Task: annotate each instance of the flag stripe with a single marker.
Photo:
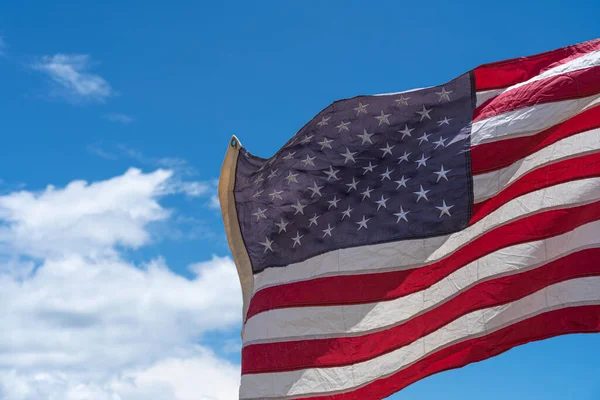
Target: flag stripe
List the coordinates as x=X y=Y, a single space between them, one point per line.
x=528 y=121
x=549 y=175
x=291 y=324
x=510 y=72
x=585 y=61
x=491 y=183
x=579 y=319
x=493 y=156
x=573 y=85
x=371 y=288
x=322 y=380
x=330 y=352
x=482 y=97
x=416 y=252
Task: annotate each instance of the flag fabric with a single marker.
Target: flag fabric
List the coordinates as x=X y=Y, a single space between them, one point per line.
x=399 y=235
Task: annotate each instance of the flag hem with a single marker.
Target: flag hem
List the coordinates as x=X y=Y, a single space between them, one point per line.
x=231 y=223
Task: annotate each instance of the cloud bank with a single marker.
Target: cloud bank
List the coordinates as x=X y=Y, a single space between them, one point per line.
x=81 y=321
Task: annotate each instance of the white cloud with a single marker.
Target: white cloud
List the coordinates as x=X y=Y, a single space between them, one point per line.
x=198 y=376
x=71 y=79
x=214 y=202
x=96 y=148
x=181 y=169
x=84 y=217
x=121 y=118
x=81 y=322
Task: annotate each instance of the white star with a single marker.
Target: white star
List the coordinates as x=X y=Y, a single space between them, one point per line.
x=291 y=178
x=347 y=212
x=306 y=139
x=424 y=113
x=273 y=174
x=315 y=190
x=267 y=243
x=402 y=182
x=323 y=122
x=328 y=230
x=348 y=156
x=444 y=94
x=424 y=138
x=422 y=194
x=444 y=209
x=299 y=207
x=363 y=223
x=282 y=225
x=343 y=126
x=257 y=193
x=362 y=108
x=332 y=173
x=297 y=239
x=291 y=143
x=308 y=161
x=404 y=157
x=260 y=214
x=366 y=137
x=352 y=185
x=381 y=203
x=366 y=193
x=258 y=179
x=383 y=118
x=401 y=215
x=444 y=121
x=422 y=161
x=289 y=156
x=325 y=143
x=333 y=203
x=386 y=174
x=387 y=150
x=406 y=131
x=402 y=101
x=276 y=194
x=442 y=174
x=440 y=142
x=369 y=168
x=313 y=220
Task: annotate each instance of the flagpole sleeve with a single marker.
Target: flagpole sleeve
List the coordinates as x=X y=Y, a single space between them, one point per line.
x=230 y=220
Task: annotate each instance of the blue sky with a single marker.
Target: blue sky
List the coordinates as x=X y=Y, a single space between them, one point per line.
x=110 y=254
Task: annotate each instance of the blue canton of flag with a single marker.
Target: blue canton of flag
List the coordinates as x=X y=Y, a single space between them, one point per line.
x=365 y=170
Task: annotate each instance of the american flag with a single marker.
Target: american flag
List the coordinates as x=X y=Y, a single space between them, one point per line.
x=399 y=235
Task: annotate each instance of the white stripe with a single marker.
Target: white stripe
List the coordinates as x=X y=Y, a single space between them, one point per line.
x=588 y=60
x=529 y=120
x=489 y=184
x=484 y=96
x=416 y=252
x=338 y=321
x=479 y=323
x=405 y=91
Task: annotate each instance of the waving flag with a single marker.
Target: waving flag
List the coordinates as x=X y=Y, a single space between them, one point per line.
x=396 y=236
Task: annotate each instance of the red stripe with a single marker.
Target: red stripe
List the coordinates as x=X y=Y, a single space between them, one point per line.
x=509 y=72
x=302 y=354
x=576 y=84
x=553 y=174
x=375 y=287
x=493 y=156
x=581 y=319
